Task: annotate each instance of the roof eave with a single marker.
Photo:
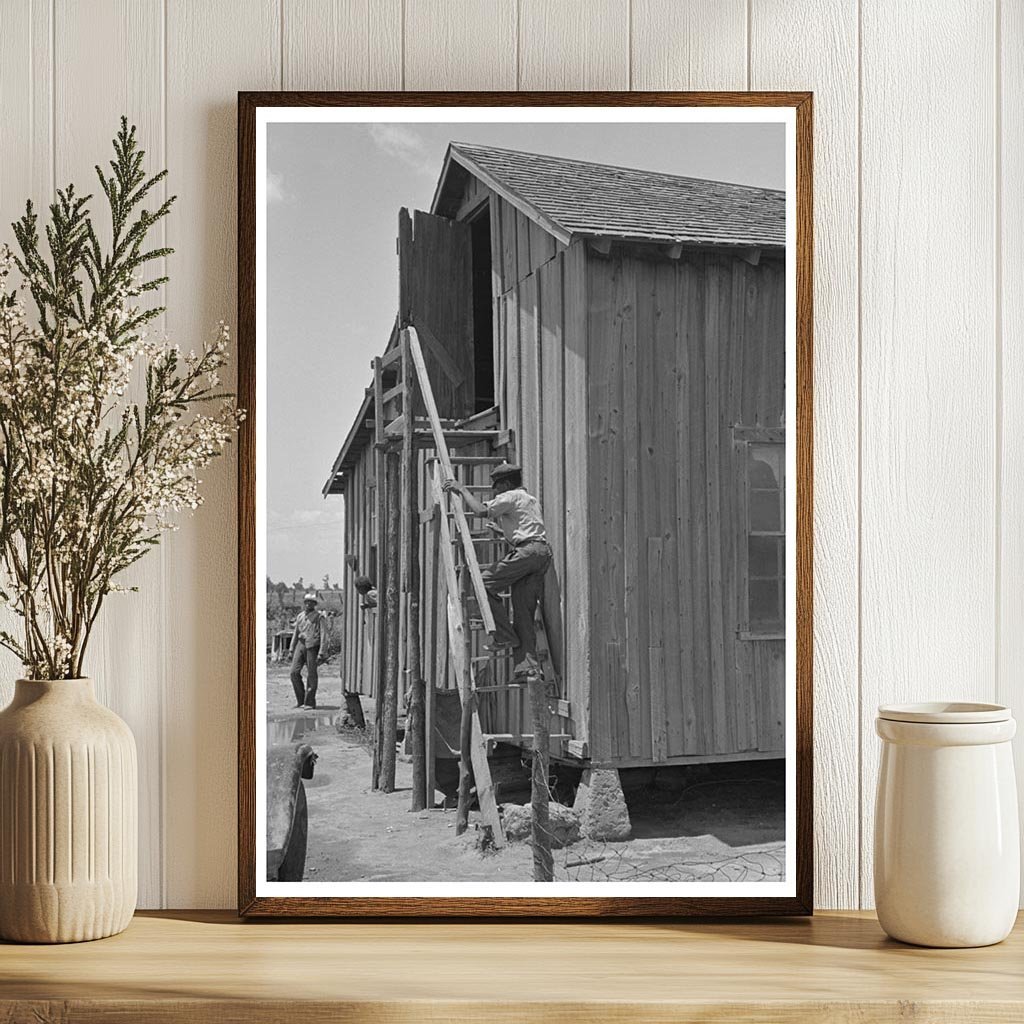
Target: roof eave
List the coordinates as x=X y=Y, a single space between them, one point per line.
x=442 y=178
x=695 y=243
x=350 y=440
x=552 y=227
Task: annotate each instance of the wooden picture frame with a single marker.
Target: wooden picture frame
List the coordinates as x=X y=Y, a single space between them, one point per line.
x=253 y=904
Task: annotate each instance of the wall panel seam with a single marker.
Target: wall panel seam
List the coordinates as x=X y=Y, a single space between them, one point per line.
x=859 y=583
x=162 y=708
x=53 y=97
x=997 y=323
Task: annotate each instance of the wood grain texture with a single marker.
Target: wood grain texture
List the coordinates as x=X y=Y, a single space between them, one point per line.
x=574 y=44
x=341 y=44
x=928 y=404
x=1009 y=257
x=466 y=45
x=130 y=675
x=780 y=55
x=207 y=967
x=226 y=46
x=26 y=123
x=929 y=129
x=620 y=287
x=699 y=44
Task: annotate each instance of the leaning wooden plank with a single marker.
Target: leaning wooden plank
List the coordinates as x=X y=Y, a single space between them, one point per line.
x=440 y=353
x=446 y=465
x=477 y=742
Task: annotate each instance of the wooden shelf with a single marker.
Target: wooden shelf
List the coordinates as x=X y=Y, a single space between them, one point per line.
x=211 y=967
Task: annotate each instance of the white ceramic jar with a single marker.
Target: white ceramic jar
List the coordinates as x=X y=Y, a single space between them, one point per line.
x=947 y=846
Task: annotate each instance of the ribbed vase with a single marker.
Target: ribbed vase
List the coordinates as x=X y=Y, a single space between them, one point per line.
x=68 y=815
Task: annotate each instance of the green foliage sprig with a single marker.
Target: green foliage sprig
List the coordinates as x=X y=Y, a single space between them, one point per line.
x=91 y=472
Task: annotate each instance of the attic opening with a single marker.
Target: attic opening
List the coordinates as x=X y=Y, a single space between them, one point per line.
x=483 y=326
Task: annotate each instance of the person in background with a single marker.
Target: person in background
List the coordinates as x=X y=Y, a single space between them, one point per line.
x=522 y=570
x=309 y=649
x=366 y=590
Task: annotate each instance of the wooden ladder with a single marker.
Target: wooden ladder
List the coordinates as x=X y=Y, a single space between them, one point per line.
x=463 y=577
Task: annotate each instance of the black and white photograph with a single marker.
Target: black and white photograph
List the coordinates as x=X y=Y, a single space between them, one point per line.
x=525 y=502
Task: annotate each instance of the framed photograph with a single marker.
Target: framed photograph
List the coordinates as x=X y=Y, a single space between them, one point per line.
x=525 y=504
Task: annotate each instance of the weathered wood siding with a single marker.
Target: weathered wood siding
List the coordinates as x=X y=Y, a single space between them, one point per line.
x=540 y=357
x=435 y=294
x=680 y=351
x=620 y=379
x=358 y=656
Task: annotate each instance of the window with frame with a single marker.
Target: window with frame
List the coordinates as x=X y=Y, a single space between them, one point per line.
x=764 y=550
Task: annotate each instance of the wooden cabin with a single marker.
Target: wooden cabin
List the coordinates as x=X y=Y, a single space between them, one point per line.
x=623 y=332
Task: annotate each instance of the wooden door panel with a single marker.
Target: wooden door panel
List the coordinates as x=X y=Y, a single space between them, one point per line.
x=436 y=297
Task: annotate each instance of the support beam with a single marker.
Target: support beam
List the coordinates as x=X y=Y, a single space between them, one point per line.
x=378 y=633
x=411 y=584
x=392 y=596
x=540 y=837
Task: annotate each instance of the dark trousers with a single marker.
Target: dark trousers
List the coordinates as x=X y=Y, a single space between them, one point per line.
x=522 y=570
x=303 y=655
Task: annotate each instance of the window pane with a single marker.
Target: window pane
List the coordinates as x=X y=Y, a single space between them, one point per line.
x=765 y=469
x=763 y=557
x=765 y=603
x=765 y=511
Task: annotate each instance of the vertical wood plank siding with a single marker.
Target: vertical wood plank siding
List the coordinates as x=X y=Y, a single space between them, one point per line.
x=893 y=368
x=622 y=379
x=678 y=350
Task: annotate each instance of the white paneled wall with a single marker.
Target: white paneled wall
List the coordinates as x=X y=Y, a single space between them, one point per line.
x=919 y=324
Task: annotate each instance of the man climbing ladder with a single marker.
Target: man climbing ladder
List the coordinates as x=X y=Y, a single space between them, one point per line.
x=518 y=514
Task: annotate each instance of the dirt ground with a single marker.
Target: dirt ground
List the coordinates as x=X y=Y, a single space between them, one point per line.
x=720 y=823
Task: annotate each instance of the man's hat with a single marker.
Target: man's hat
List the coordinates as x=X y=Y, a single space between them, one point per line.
x=311 y=597
x=505 y=470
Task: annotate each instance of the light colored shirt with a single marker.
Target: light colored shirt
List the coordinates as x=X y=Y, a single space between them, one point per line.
x=310 y=627
x=518 y=515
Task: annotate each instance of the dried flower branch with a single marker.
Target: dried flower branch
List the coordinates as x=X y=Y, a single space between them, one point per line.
x=89 y=477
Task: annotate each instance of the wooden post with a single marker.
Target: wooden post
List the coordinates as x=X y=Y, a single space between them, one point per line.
x=378 y=615
x=440 y=592
x=411 y=585
x=392 y=611
x=543 y=861
x=465 y=765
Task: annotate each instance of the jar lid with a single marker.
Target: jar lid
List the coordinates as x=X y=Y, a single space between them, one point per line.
x=945 y=713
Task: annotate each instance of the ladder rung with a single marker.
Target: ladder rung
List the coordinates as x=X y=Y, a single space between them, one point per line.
x=471 y=460
x=391 y=357
x=499 y=687
x=469 y=435
x=398 y=389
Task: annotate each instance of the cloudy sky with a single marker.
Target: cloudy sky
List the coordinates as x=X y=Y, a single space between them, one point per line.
x=334 y=192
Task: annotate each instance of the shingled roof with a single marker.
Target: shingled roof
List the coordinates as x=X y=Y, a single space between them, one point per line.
x=572 y=198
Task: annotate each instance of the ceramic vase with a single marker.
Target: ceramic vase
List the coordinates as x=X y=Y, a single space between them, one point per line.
x=68 y=815
x=947 y=847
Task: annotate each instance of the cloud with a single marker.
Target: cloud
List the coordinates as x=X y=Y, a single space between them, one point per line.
x=276 y=192
x=302 y=519
x=402 y=142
